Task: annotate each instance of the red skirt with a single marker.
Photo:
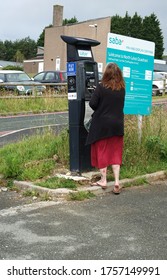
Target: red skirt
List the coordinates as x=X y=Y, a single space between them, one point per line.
x=107 y=152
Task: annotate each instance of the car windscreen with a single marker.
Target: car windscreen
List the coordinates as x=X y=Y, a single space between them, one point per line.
x=157 y=76
x=17 y=77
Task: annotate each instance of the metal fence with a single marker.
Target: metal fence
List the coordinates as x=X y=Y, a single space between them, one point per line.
x=61 y=88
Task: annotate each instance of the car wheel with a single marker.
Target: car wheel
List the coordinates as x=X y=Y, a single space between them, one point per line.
x=155 y=91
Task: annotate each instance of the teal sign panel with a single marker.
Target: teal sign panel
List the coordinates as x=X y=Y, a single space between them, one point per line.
x=135 y=57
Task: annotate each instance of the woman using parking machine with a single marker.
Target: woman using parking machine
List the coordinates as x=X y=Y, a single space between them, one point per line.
x=107 y=126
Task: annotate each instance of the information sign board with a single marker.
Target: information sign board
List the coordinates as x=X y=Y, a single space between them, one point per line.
x=135 y=57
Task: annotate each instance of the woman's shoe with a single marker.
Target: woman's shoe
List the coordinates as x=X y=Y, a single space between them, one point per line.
x=116 y=190
x=99 y=185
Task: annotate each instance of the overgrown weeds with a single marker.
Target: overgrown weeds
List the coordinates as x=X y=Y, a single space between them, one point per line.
x=55 y=183
x=34 y=157
x=148 y=154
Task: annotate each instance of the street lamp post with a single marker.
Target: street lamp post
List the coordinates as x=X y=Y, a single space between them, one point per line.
x=94 y=26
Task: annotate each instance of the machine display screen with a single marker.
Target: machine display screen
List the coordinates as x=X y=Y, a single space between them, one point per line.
x=89 y=67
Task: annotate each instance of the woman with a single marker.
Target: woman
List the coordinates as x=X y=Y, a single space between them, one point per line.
x=107 y=127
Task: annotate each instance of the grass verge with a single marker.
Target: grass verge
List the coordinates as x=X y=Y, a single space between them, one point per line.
x=55 y=183
x=38 y=157
x=33 y=104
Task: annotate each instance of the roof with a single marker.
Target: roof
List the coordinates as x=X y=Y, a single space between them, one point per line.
x=10 y=71
x=4 y=63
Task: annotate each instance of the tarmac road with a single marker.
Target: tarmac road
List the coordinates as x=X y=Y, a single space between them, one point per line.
x=132 y=225
x=13 y=123
x=13 y=128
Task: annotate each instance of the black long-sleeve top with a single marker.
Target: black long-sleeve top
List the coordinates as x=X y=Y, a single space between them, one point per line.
x=108 y=116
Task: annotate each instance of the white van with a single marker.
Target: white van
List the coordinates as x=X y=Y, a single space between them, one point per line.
x=157 y=84
x=164 y=75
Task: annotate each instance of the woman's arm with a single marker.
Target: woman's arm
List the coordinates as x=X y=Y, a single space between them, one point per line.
x=93 y=103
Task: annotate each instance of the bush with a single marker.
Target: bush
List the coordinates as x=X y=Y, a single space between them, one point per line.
x=12 y=67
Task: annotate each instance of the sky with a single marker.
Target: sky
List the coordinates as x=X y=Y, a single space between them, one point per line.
x=22 y=18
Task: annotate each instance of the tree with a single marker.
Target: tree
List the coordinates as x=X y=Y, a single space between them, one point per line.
x=146 y=29
x=18 y=57
x=136 y=26
x=70 y=21
x=27 y=47
x=2 y=51
x=116 y=24
x=126 y=21
x=10 y=50
x=152 y=32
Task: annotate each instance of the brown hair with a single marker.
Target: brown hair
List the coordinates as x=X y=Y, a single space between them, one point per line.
x=113 y=77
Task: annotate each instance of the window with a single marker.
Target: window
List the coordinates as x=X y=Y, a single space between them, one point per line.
x=39 y=77
x=49 y=76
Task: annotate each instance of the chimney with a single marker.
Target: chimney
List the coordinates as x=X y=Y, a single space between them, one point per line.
x=57 y=15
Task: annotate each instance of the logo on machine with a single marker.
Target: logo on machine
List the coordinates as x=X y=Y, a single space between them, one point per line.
x=84 y=53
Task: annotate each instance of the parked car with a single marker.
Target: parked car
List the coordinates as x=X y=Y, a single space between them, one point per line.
x=24 y=84
x=164 y=75
x=157 y=84
x=51 y=77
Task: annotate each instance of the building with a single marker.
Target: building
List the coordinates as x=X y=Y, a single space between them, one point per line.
x=36 y=64
x=55 y=57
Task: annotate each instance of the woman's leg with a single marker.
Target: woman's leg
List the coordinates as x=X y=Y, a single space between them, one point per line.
x=103 y=180
x=116 y=171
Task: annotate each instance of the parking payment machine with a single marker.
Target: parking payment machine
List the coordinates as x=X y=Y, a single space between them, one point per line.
x=82 y=78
